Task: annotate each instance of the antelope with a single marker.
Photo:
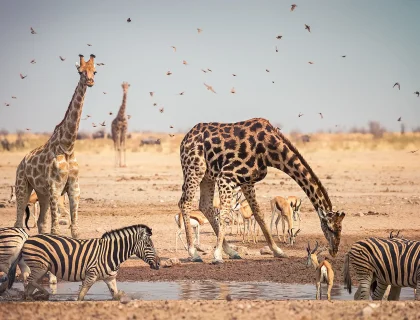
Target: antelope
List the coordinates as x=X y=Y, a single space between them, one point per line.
x=234 y=210
x=197 y=219
x=295 y=203
x=323 y=271
x=33 y=201
x=248 y=220
x=283 y=209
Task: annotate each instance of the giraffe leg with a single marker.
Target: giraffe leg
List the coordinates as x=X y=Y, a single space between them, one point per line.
x=206 y=207
x=249 y=192
x=54 y=195
x=73 y=192
x=117 y=139
x=122 y=149
x=192 y=177
x=23 y=192
x=43 y=209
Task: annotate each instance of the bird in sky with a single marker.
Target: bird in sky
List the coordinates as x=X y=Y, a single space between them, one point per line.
x=398 y=85
x=184 y=62
x=267 y=70
x=62 y=58
x=171 y=127
x=100 y=64
x=161 y=110
x=22 y=76
x=209 y=70
x=293 y=7
x=128 y=20
x=93 y=125
x=233 y=90
x=310 y=62
x=168 y=73
x=7 y=104
x=173 y=47
x=89 y=45
x=110 y=113
x=128 y=116
x=182 y=93
x=279 y=37
x=104 y=92
x=300 y=114
x=155 y=104
x=307 y=27
x=417 y=93
x=320 y=113
x=343 y=56
x=414 y=151
x=33 y=61
x=209 y=88
x=204 y=70
x=13 y=97
x=151 y=93
x=28 y=129
x=399 y=119
x=233 y=74
x=199 y=30
x=277 y=50
x=33 y=31
x=102 y=124
x=171 y=135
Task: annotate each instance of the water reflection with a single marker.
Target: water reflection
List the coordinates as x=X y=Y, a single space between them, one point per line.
x=204 y=290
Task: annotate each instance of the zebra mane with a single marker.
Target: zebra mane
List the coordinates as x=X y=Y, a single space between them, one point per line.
x=135 y=228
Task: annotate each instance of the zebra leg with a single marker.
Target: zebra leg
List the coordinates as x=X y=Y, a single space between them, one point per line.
x=365 y=279
x=52 y=279
x=86 y=284
x=417 y=290
x=394 y=293
x=112 y=286
x=379 y=291
x=33 y=283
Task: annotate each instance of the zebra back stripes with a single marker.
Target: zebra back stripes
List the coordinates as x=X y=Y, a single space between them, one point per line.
x=390 y=261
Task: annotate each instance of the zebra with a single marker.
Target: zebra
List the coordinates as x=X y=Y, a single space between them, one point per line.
x=86 y=260
x=380 y=262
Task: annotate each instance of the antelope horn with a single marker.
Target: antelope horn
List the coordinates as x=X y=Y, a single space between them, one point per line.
x=308 y=248
x=316 y=247
x=297 y=232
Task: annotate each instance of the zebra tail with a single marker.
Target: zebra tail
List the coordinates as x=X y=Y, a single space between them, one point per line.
x=11 y=275
x=28 y=214
x=346 y=272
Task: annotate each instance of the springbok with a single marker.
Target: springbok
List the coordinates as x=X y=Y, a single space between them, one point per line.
x=197 y=219
x=323 y=271
x=283 y=209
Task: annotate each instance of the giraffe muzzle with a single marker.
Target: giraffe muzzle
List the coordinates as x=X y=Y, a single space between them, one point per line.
x=90 y=82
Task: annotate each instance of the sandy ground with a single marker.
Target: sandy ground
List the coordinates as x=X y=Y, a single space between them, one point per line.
x=385 y=183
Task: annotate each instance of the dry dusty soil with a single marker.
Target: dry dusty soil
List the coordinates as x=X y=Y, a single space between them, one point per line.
x=378 y=190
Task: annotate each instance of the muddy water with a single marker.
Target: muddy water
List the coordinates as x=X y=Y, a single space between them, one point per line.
x=203 y=290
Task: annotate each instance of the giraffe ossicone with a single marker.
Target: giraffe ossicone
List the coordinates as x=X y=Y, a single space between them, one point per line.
x=238 y=154
x=52 y=169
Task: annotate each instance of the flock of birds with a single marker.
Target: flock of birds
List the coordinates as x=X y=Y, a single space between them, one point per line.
x=207 y=86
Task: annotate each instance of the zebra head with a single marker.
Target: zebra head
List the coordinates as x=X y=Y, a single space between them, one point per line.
x=145 y=249
x=331 y=226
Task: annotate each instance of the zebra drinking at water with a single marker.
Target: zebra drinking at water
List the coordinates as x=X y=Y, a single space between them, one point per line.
x=86 y=260
x=394 y=262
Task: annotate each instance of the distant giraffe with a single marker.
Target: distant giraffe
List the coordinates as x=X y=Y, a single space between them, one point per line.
x=232 y=154
x=52 y=169
x=119 y=129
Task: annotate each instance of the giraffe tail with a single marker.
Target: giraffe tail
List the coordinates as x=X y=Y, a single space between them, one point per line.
x=346 y=272
x=28 y=214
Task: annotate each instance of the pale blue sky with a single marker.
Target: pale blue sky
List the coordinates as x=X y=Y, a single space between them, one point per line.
x=380 y=38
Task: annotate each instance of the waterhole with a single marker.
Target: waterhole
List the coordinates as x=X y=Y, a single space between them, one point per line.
x=198 y=290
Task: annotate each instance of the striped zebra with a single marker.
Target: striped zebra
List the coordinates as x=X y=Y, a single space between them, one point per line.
x=87 y=260
x=379 y=262
x=11 y=243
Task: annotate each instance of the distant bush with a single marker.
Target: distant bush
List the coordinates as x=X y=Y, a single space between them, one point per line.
x=83 y=135
x=376 y=129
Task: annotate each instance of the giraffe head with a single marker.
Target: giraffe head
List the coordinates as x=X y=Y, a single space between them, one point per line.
x=125 y=86
x=331 y=226
x=86 y=70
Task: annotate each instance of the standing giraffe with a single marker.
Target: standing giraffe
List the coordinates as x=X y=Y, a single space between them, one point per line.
x=119 y=129
x=232 y=154
x=52 y=169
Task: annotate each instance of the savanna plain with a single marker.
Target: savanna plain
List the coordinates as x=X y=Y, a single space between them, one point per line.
x=375 y=181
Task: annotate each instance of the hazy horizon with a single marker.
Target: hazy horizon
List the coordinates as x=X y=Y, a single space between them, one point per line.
x=377 y=37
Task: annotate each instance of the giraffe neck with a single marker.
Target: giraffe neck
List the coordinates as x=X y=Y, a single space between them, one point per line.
x=283 y=155
x=121 y=112
x=65 y=132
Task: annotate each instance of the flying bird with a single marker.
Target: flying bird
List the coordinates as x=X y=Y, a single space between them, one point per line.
x=13 y=97
x=417 y=93
x=209 y=70
x=171 y=127
x=399 y=119
x=199 y=30
x=279 y=37
x=128 y=116
x=104 y=92
x=267 y=70
x=33 y=31
x=110 y=113
x=310 y=62
x=414 y=151
x=184 y=62
x=277 y=50
x=93 y=125
x=151 y=93
x=272 y=81
x=300 y=114
x=62 y=59
x=128 y=20
x=293 y=7
x=171 y=135
x=233 y=90
x=161 y=110
x=209 y=88
x=343 y=56
x=100 y=64
x=33 y=61
x=102 y=124
x=398 y=85
x=89 y=45
x=320 y=113
x=181 y=93
x=168 y=73
x=22 y=76
x=173 y=47
x=7 y=104
x=233 y=74
x=204 y=70
x=155 y=104
x=307 y=27
x=27 y=129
